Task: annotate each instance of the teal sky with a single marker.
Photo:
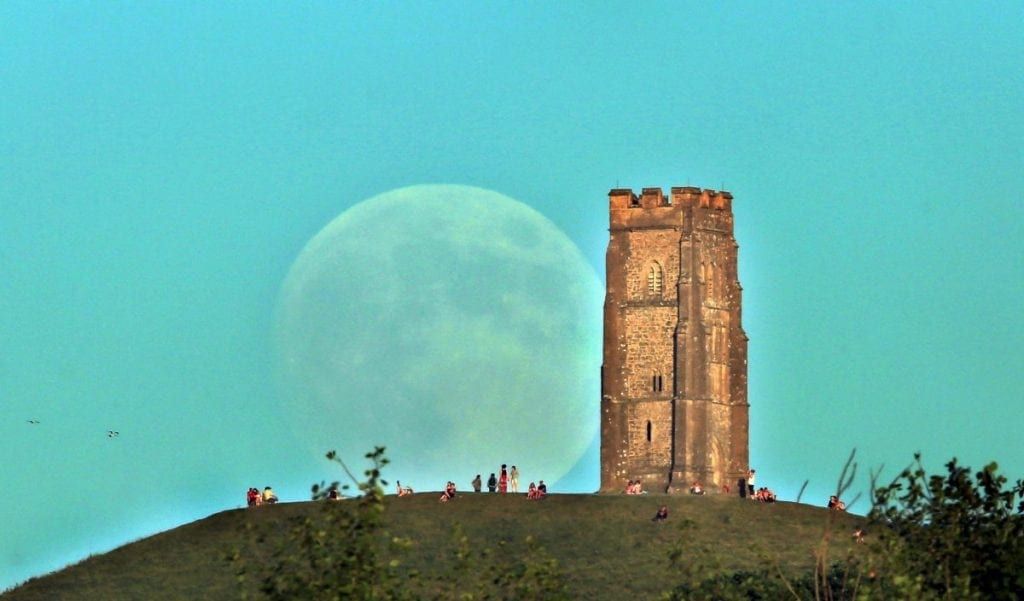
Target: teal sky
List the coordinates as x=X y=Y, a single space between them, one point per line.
x=163 y=164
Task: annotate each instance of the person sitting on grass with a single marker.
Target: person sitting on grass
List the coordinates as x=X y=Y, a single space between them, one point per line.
x=765 y=495
x=269 y=496
x=403 y=491
x=835 y=504
x=449 y=492
x=696 y=489
x=634 y=488
x=531 y=492
x=542 y=490
x=252 y=497
x=662 y=514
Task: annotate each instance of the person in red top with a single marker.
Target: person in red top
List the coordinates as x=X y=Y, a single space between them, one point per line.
x=531 y=493
x=449 y=492
x=503 y=480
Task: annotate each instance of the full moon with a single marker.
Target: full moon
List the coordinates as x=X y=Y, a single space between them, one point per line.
x=456 y=326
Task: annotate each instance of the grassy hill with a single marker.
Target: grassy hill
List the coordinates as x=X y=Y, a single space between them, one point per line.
x=606 y=546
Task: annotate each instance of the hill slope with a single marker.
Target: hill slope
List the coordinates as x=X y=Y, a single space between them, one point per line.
x=606 y=546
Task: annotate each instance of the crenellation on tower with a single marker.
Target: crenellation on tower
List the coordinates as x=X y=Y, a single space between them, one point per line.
x=674 y=384
x=622 y=198
x=652 y=197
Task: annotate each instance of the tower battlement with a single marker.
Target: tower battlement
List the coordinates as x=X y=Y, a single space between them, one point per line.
x=653 y=208
x=680 y=196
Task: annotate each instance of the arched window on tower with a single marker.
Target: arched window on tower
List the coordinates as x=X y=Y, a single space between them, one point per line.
x=654 y=280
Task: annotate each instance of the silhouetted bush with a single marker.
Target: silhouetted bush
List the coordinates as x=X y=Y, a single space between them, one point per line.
x=944 y=536
x=949 y=535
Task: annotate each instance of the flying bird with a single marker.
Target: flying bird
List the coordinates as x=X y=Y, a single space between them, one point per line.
x=112 y=434
x=33 y=421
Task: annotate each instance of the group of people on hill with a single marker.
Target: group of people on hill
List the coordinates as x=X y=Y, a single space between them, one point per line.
x=537 y=492
x=747 y=489
x=448 y=494
x=634 y=487
x=508 y=481
x=750 y=490
x=254 y=498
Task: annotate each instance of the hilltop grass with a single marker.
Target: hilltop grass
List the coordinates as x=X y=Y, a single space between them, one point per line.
x=606 y=546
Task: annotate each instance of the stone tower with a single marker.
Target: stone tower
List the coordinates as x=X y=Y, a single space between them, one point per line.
x=674 y=379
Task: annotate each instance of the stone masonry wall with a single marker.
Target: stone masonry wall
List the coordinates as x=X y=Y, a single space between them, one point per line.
x=654 y=454
x=647 y=248
x=649 y=350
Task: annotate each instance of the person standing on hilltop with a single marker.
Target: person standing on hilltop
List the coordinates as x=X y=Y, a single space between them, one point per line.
x=477 y=483
x=513 y=479
x=503 y=480
x=750 y=482
x=492 y=483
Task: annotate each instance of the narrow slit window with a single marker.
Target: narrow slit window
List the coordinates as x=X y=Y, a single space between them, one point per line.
x=648 y=431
